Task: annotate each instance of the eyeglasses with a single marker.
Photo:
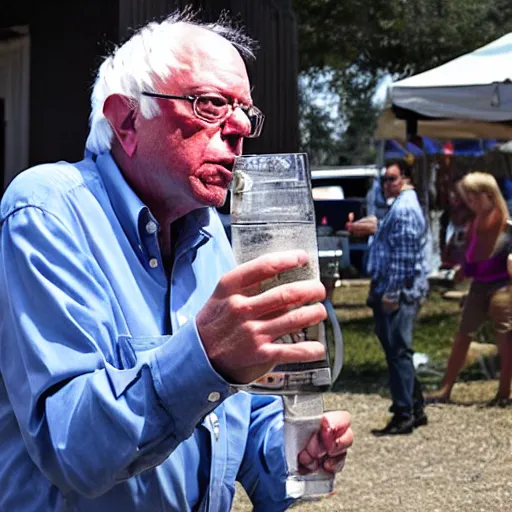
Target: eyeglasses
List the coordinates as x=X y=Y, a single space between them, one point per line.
x=391 y=179
x=214 y=108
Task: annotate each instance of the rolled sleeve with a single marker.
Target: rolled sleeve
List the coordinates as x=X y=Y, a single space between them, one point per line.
x=185 y=381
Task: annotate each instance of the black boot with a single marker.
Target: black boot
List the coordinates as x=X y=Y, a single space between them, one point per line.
x=420 y=418
x=398 y=425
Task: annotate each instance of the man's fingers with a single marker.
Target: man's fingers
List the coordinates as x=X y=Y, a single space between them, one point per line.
x=310 y=457
x=315 y=447
x=307 y=462
x=303 y=352
x=315 y=456
x=335 y=432
x=264 y=267
x=294 y=321
x=327 y=448
x=334 y=464
x=286 y=297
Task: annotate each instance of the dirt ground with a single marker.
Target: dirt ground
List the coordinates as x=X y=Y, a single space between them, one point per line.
x=460 y=462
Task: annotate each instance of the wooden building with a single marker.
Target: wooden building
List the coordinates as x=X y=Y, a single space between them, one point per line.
x=50 y=50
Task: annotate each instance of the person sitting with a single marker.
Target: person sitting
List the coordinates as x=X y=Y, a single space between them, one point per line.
x=488 y=245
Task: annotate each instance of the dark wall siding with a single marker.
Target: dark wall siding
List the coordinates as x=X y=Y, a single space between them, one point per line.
x=67 y=41
x=66 y=46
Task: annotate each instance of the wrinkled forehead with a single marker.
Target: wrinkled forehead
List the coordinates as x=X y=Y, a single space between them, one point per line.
x=207 y=60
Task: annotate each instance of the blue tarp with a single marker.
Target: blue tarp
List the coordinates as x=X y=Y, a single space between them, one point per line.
x=462 y=147
x=394 y=150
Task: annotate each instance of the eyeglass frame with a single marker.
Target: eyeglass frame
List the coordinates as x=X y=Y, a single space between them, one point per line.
x=259 y=116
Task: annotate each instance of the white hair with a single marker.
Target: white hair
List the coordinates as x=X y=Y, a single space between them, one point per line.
x=149 y=55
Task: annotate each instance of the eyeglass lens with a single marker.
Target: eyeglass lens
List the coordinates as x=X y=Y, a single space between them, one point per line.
x=213 y=108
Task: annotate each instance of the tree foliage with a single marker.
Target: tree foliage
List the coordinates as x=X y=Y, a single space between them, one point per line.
x=355 y=43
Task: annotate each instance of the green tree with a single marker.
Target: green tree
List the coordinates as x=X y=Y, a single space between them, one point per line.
x=353 y=44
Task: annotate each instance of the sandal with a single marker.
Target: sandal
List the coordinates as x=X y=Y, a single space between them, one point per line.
x=499 y=401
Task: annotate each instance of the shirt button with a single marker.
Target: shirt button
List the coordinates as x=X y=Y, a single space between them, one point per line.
x=214 y=396
x=153 y=263
x=151 y=227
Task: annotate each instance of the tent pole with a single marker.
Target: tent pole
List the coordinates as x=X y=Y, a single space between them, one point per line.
x=411 y=126
x=380 y=153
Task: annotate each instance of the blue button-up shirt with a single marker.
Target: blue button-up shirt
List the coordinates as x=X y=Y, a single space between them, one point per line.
x=107 y=398
x=397 y=260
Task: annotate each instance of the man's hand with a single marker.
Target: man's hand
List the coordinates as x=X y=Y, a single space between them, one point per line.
x=238 y=324
x=389 y=305
x=327 y=449
x=361 y=227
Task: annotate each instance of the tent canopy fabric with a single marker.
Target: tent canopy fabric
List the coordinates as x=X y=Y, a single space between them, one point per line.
x=390 y=127
x=468 y=97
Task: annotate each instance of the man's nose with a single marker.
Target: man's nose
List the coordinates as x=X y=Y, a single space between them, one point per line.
x=237 y=124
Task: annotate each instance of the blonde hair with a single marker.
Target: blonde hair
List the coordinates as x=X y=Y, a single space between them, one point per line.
x=483 y=183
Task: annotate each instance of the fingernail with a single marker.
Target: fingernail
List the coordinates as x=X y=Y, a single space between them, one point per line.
x=334 y=468
x=312 y=466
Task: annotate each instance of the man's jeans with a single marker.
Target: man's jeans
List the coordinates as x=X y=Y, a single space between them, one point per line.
x=394 y=331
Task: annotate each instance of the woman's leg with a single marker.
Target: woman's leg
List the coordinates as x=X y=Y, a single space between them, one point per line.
x=456 y=361
x=474 y=314
x=505 y=351
x=501 y=315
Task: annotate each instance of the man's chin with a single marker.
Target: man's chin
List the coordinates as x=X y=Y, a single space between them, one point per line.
x=214 y=196
x=221 y=201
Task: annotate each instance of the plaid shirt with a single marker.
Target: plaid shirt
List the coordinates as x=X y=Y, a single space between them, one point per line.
x=397 y=262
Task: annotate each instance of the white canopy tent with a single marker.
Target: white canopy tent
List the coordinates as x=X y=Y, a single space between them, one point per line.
x=468 y=97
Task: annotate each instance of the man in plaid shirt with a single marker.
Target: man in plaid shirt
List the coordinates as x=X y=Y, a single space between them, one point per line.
x=397 y=267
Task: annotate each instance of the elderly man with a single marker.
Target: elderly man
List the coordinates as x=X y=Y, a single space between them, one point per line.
x=398 y=273
x=125 y=326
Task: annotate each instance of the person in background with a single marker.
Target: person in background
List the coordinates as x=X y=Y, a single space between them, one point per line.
x=398 y=274
x=452 y=254
x=126 y=332
x=488 y=245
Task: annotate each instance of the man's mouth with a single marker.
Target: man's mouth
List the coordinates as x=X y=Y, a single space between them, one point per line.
x=228 y=165
x=223 y=172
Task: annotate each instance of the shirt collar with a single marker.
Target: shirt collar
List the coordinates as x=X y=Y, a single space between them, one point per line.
x=126 y=204
x=133 y=214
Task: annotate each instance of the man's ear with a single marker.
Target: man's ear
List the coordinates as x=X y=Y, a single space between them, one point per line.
x=121 y=114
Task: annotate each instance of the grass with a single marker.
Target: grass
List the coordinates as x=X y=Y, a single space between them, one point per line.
x=365 y=369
